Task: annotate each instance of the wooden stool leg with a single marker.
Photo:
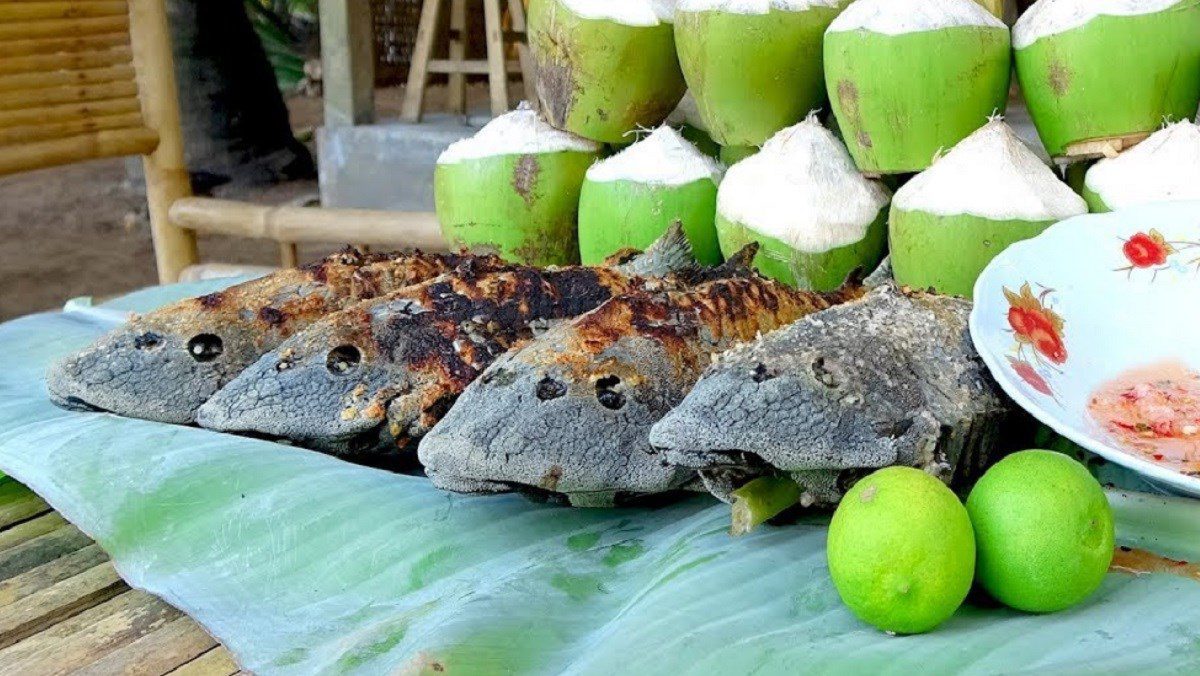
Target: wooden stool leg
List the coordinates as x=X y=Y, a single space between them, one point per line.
x=497 y=64
x=458 y=52
x=418 y=72
x=517 y=10
x=289 y=256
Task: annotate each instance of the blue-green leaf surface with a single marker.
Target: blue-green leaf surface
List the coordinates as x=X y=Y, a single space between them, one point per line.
x=301 y=563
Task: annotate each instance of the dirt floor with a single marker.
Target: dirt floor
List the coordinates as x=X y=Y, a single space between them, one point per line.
x=82 y=229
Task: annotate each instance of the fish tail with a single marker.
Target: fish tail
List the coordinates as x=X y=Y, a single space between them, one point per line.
x=670 y=253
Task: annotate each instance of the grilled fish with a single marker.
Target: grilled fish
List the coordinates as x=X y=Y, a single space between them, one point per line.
x=372 y=379
x=570 y=414
x=892 y=379
x=163 y=365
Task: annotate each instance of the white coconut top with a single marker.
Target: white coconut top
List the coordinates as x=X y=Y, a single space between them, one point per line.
x=1051 y=17
x=520 y=132
x=628 y=12
x=753 y=6
x=662 y=158
x=687 y=112
x=896 y=17
x=1162 y=168
x=991 y=174
x=803 y=189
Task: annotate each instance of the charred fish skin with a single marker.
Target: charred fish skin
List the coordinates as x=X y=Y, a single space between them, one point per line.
x=163 y=365
x=571 y=412
x=891 y=379
x=406 y=356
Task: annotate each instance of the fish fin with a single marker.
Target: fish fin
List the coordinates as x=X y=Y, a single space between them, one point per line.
x=670 y=253
x=740 y=264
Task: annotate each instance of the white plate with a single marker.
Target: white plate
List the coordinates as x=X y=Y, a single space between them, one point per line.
x=1122 y=300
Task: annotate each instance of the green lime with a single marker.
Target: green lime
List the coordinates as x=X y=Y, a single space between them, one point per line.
x=1044 y=531
x=901 y=551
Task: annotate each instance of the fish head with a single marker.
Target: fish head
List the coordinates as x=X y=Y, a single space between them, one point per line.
x=327 y=387
x=857 y=387
x=161 y=366
x=568 y=414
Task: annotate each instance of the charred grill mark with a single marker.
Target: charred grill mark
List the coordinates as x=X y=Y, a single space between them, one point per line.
x=211 y=301
x=272 y=316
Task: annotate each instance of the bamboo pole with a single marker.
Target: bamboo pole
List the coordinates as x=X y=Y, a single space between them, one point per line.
x=63 y=44
x=472 y=67
x=34 y=98
x=41 y=63
x=43 y=132
x=110 y=143
x=30 y=30
x=289 y=255
x=418 y=70
x=516 y=9
x=67 y=112
x=497 y=70
x=60 y=9
x=167 y=179
x=418 y=230
x=457 y=83
x=23 y=81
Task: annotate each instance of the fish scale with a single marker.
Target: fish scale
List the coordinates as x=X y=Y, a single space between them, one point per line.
x=404 y=357
x=570 y=413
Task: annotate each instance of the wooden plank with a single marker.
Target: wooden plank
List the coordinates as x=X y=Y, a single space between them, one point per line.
x=58 y=602
x=28 y=530
x=30 y=30
x=167 y=178
x=457 y=84
x=45 y=96
x=67 y=112
x=469 y=67
x=516 y=10
x=41 y=549
x=44 y=63
x=165 y=649
x=50 y=573
x=418 y=71
x=22 y=81
x=347 y=62
x=497 y=71
x=60 y=9
x=300 y=224
x=59 y=45
x=18 y=503
x=59 y=135
x=88 y=636
x=216 y=662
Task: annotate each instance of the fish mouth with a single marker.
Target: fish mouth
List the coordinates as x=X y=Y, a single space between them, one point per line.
x=73 y=403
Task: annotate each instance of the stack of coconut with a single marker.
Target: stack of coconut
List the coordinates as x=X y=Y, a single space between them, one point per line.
x=914 y=90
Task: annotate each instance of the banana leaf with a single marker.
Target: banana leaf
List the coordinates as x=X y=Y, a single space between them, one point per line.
x=301 y=563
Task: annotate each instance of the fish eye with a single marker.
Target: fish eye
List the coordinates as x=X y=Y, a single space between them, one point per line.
x=147 y=341
x=549 y=388
x=343 y=359
x=205 y=347
x=607 y=394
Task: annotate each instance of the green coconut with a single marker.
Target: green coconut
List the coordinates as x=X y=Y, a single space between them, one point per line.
x=513 y=189
x=1163 y=168
x=988 y=192
x=605 y=67
x=907 y=78
x=1097 y=69
x=801 y=198
x=629 y=199
x=754 y=66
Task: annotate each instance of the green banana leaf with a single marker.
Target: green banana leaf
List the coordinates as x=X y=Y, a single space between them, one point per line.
x=302 y=564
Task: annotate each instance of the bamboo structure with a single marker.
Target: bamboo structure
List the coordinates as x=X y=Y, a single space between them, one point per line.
x=88 y=79
x=167 y=178
x=418 y=230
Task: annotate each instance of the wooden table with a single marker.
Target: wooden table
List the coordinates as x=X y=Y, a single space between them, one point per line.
x=63 y=608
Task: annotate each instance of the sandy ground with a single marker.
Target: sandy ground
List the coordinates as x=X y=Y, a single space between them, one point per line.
x=81 y=230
